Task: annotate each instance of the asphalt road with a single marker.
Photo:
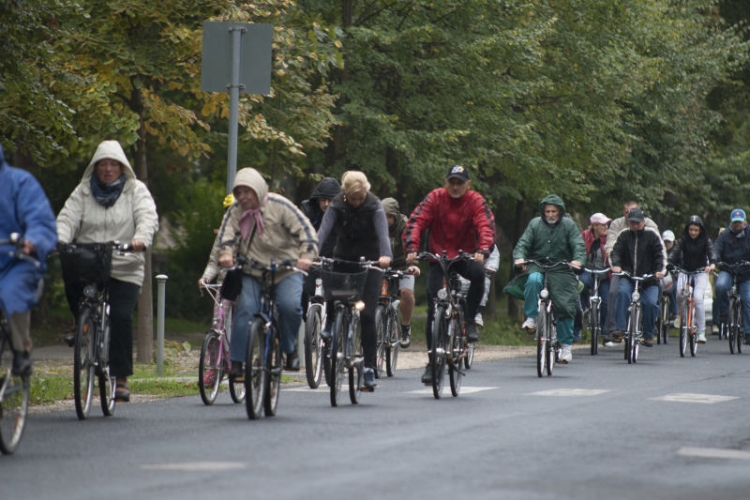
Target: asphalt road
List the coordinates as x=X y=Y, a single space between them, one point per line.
x=598 y=428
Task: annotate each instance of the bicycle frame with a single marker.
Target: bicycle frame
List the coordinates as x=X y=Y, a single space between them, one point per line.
x=634 y=334
x=595 y=301
x=686 y=299
x=733 y=327
x=387 y=321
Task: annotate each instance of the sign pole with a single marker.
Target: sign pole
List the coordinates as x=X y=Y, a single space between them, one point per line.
x=234 y=104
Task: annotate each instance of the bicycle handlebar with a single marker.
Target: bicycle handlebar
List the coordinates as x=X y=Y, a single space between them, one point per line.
x=18 y=242
x=369 y=264
x=547 y=265
x=444 y=258
x=672 y=267
x=732 y=268
x=597 y=271
x=642 y=277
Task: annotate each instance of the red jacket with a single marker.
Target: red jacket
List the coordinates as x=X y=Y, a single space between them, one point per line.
x=464 y=224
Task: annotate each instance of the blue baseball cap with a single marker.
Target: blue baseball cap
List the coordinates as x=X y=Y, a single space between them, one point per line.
x=738 y=215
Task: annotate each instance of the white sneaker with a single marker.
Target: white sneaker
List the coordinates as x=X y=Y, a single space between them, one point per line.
x=478 y=319
x=529 y=324
x=565 y=355
x=701 y=338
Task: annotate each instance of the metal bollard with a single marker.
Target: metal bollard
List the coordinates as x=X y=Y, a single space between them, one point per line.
x=161 y=280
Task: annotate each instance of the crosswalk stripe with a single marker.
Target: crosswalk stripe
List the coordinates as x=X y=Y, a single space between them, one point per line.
x=688 y=397
x=688 y=451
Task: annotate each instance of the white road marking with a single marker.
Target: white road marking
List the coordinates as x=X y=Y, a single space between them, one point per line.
x=446 y=390
x=196 y=466
x=570 y=392
x=713 y=453
x=688 y=397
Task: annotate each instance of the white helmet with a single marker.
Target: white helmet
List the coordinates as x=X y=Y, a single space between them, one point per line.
x=667 y=235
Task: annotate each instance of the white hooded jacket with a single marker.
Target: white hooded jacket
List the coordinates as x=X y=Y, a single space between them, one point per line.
x=133 y=216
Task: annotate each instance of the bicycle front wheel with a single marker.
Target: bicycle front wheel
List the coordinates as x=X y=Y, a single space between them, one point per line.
x=83 y=363
x=255 y=369
x=541 y=343
x=550 y=345
x=14 y=402
x=274 y=367
x=454 y=369
x=733 y=327
x=393 y=344
x=313 y=346
x=738 y=322
x=437 y=353
x=594 y=327
x=381 y=338
x=684 y=327
x=663 y=320
x=209 y=370
x=338 y=362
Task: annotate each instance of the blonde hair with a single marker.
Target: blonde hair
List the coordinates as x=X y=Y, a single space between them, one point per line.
x=354 y=181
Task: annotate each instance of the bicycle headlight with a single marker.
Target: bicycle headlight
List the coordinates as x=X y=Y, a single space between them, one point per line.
x=90 y=291
x=636 y=296
x=359 y=305
x=442 y=294
x=544 y=293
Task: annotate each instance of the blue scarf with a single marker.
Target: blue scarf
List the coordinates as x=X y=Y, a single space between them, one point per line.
x=107 y=194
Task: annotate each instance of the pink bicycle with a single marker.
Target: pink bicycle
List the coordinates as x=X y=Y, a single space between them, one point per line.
x=215 y=362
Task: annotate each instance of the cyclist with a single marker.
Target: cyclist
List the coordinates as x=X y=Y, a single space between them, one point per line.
x=316 y=205
x=733 y=246
x=396 y=228
x=24 y=209
x=668 y=239
x=457 y=218
x=552 y=237
x=265 y=226
x=595 y=238
x=111 y=204
x=213 y=269
x=357 y=218
x=693 y=251
x=638 y=250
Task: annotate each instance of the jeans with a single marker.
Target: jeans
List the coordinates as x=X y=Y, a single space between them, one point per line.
x=721 y=287
x=288 y=303
x=531 y=291
x=649 y=300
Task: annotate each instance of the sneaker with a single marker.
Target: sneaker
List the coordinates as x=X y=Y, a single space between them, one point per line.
x=369 y=382
x=292 y=362
x=608 y=342
x=648 y=341
x=529 y=325
x=122 y=391
x=237 y=374
x=405 y=336
x=427 y=375
x=617 y=336
x=472 y=334
x=21 y=363
x=326 y=333
x=565 y=355
x=701 y=338
x=478 y=319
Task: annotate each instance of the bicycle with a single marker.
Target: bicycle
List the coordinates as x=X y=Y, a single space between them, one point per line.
x=547 y=348
x=14 y=389
x=316 y=348
x=263 y=362
x=344 y=290
x=634 y=332
x=449 y=345
x=663 y=323
x=731 y=328
x=90 y=264
x=387 y=323
x=595 y=304
x=688 y=331
x=215 y=362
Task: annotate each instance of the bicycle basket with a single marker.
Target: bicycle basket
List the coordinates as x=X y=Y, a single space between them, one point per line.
x=343 y=286
x=86 y=262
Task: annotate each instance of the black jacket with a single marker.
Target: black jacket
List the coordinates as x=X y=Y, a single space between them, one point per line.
x=639 y=252
x=693 y=254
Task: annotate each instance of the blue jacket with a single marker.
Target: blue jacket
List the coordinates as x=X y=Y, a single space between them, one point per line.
x=24 y=209
x=730 y=249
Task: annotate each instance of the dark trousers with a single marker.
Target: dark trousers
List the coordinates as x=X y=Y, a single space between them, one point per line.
x=472 y=271
x=123 y=297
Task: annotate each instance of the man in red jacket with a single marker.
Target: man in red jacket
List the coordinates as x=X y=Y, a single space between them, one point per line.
x=458 y=220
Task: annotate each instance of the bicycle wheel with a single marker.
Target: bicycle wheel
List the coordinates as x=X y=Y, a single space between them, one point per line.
x=255 y=369
x=107 y=385
x=541 y=347
x=354 y=354
x=313 y=346
x=437 y=353
x=454 y=368
x=274 y=367
x=684 y=327
x=83 y=365
x=14 y=401
x=663 y=320
x=594 y=327
x=469 y=358
x=733 y=330
x=550 y=345
x=738 y=325
x=393 y=344
x=209 y=370
x=338 y=364
x=633 y=343
x=381 y=338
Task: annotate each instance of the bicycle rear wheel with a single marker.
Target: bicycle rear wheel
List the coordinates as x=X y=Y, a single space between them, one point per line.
x=738 y=322
x=354 y=354
x=663 y=320
x=255 y=370
x=274 y=366
x=107 y=385
x=313 y=346
x=14 y=401
x=381 y=338
x=209 y=369
x=83 y=363
x=391 y=353
x=437 y=353
x=594 y=327
x=338 y=363
x=457 y=347
x=733 y=330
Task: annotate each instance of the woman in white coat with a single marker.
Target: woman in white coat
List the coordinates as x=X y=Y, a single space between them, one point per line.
x=111 y=204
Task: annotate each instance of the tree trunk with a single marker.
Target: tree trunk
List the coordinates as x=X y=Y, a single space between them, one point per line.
x=145 y=332
x=518 y=228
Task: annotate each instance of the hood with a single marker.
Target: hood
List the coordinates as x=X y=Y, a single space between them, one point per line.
x=695 y=220
x=552 y=199
x=326 y=189
x=390 y=205
x=251 y=178
x=113 y=151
